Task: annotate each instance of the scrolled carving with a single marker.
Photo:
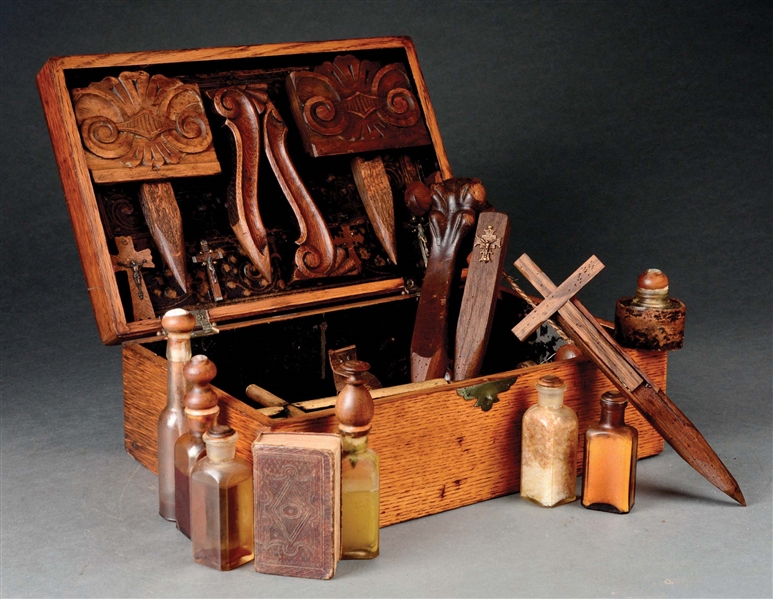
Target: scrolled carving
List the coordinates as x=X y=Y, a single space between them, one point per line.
x=142 y=121
x=350 y=105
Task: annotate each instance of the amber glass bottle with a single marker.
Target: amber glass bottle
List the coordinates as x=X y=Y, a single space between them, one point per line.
x=201 y=410
x=178 y=325
x=221 y=504
x=359 y=467
x=549 y=447
x=610 y=459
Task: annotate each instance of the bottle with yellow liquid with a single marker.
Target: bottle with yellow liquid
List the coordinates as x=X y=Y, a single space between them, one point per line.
x=359 y=467
x=609 y=483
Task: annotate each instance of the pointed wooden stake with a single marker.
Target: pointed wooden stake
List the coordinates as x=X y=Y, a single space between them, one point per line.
x=373 y=184
x=664 y=416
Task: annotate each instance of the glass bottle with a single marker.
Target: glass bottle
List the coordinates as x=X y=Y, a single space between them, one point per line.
x=610 y=459
x=549 y=447
x=201 y=410
x=221 y=504
x=171 y=423
x=359 y=467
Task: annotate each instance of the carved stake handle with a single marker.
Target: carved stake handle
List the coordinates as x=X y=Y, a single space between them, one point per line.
x=455 y=204
x=138 y=128
x=242 y=108
x=480 y=294
x=625 y=374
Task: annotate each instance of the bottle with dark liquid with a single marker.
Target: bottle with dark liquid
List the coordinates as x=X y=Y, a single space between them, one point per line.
x=609 y=484
x=221 y=504
x=178 y=325
x=201 y=410
x=359 y=467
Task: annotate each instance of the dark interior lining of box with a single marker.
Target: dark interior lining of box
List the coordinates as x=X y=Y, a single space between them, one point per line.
x=202 y=200
x=288 y=357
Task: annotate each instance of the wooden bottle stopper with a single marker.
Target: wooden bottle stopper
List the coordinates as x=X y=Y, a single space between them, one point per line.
x=650 y=320
x=354 y=406
x=568 y=351
x=201 y=399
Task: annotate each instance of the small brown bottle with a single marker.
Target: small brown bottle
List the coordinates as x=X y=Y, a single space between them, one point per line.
x=359 y=467
x=610 y=459
x=201 y=410
x=171 y=422
x=221 y=504
x=549 y=447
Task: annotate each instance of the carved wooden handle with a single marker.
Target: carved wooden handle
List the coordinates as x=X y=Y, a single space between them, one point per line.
x=454 y=208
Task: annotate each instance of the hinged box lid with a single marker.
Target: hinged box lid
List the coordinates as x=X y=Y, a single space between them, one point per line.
x=178 y=199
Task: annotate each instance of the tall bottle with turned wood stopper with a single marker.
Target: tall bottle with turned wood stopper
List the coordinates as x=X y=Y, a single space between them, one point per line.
x=201 y=410
x=549 y=447
x=359 y=467
x=172 y=423
x=222 y=509
x=609 y=484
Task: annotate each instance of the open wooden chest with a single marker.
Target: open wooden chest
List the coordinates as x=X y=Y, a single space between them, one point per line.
x=273 y=325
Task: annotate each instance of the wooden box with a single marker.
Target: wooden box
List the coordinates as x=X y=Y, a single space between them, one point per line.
x=438 y=451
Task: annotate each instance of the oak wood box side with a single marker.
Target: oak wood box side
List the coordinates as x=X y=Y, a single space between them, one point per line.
x=470 y=456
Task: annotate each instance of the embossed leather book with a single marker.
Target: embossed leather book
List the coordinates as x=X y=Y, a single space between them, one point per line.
x=297 y=504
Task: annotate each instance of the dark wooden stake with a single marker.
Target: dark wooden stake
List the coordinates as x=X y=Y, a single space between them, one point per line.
x=480 y=294
x=624 y=373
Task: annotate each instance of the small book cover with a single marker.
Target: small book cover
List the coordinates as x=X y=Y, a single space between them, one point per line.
x=297 y=478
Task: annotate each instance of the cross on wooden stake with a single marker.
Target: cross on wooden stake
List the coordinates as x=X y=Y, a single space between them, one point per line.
x=132 y=261
x=208 y=257
x=625 y=374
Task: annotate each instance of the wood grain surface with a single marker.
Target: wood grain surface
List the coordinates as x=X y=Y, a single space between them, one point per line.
x=470 y=455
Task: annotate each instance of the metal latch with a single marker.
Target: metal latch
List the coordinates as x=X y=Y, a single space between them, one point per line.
x=204 y=326
x=485 y=394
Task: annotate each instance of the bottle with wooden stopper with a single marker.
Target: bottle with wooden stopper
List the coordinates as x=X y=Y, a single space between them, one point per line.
x=221 y=504
x=650 y=320
x=549 y=447
x=201 y=410
x=359 y=467
x=178 y=325
x=609 y=484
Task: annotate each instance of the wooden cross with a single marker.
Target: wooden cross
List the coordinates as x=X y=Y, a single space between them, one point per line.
x=132 y=261
x=664 y=416
x=208 y=257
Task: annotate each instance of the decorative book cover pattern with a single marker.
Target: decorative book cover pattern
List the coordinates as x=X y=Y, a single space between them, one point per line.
x=294 y=511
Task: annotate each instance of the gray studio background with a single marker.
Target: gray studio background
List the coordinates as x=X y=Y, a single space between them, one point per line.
x=638 y=131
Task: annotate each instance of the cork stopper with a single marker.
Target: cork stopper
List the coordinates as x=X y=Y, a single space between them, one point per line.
x=614 y=398
x=220 y=433
x=568 y=352
x=652 y=289
x=199 y=372
x=354 y=406
x=178 y=321
x=550 y=381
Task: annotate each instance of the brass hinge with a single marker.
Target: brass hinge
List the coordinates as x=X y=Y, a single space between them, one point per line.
x=204 y=326
x=485 y=394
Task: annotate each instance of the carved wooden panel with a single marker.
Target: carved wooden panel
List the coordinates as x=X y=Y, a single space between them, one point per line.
x=137 y=127
x=349 y=105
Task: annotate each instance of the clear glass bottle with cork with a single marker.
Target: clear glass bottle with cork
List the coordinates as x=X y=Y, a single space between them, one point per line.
x=609 y=484
x=222 y=504
x=201 y=410
x=359 y=467
x=172 y=423
x=549 y=447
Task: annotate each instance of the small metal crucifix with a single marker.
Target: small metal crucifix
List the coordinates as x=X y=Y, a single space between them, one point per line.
x=208 y=257
x=132 y=261
x=487 y=243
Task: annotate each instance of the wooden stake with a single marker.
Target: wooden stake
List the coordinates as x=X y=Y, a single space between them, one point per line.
x=480 y=294
x=373 y=184
x=644 y=394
